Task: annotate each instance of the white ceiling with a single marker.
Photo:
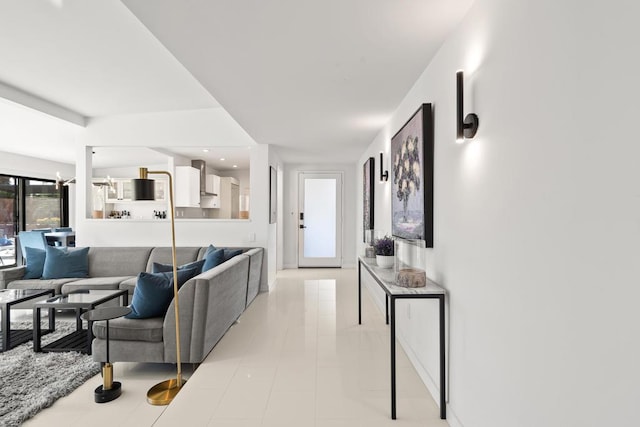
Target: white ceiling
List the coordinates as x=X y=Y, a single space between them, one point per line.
x=318 y=79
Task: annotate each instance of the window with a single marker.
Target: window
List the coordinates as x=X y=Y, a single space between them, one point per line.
x=41 y=204
x=8 y=222
x=27 y=204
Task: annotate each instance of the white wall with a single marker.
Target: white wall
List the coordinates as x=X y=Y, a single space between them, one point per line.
x=275 y=230
x=290 y=211
x=31 y=167
x=537 y=219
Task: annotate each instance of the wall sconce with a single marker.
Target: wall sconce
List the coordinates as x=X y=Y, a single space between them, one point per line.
x=384 y=175
x=467 y=126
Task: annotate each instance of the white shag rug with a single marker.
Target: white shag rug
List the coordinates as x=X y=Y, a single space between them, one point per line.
x=32 y=381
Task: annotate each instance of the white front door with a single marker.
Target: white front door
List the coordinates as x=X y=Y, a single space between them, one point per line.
x=320 y=219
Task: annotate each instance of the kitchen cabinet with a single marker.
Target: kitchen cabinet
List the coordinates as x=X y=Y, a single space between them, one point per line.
x=212 y=186
x=229 y=198
x=120 y=190
x=187 y=187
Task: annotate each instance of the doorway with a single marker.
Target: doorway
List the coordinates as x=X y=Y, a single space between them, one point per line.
x=320 y=219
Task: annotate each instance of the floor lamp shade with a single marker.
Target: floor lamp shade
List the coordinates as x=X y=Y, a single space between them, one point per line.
x=143 y=189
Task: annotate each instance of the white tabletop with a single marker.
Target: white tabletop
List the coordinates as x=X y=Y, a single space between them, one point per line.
x=386 y=278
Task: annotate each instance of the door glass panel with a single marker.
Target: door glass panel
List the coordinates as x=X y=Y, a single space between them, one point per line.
x=8 y=220
x=320 y=218
x=42 y=205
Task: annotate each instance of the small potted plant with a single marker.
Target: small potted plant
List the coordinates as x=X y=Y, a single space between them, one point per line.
x=384 y=252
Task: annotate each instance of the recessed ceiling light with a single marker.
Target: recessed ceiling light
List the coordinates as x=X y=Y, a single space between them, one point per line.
x=235 y=166
x=222 y=159
x=206 y=150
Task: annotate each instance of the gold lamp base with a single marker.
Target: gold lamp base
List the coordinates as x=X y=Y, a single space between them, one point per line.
x=164 y=392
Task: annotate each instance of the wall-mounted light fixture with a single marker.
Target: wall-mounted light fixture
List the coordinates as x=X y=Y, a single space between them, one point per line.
x=384 y=174
x=466 y=127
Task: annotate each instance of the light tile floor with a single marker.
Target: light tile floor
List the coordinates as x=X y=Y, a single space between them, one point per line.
x=297 y=357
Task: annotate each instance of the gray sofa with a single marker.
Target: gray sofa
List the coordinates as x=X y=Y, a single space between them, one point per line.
x=209 y=302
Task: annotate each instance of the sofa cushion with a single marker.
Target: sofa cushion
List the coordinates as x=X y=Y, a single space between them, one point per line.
x=61 y=263
x=213 y=258
x=158 y=267
x=117 y=261
x=154 y=291
x=129 y=285
x=35 y=262
x=149 y=330
x=94 y=283
x=55 y=284
x=184 y=255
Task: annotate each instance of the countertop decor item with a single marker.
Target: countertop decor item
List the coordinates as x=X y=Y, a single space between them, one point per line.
x=409 y=263
x=144 y=189
x=411 y=278
x=384 y=252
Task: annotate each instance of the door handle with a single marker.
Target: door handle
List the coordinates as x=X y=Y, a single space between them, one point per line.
x=303 y=226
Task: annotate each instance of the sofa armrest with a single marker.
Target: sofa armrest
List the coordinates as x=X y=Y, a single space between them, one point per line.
x=8 y=275
x=255 y=273
x=209 y=304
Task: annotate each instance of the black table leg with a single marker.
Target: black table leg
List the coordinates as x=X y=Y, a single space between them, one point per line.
x=52 y=319
x=359 y=292
x=36 y=329
x=386 y=309
x=78 y=319
x=6 y=326
x=393 y=357
x=443 y=382
x=90 y=335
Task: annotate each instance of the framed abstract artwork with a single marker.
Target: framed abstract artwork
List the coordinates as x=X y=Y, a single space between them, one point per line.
x=368 y=196
x=273 y=195
x=412 y=184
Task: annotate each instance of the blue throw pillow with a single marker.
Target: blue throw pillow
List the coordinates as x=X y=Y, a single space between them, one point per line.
x=230 y=253
x=157 y=267
x=61 y=263
x=212 y=258
x=35 y=262
x=153 y=293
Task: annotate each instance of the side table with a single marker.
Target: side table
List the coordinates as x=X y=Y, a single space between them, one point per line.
x=109 y=390
x=385 y=278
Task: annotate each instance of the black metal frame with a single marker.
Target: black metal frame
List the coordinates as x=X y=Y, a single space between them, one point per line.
x=390 y=320
x=425 y=115
x=273 y=195
x=79 y=340
x=14 y=337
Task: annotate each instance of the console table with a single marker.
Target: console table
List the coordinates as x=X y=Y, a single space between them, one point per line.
x=385 y=277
